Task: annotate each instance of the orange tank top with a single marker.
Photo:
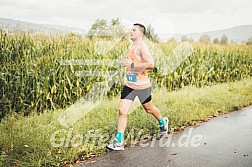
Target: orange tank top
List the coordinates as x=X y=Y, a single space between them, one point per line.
x=136 y=80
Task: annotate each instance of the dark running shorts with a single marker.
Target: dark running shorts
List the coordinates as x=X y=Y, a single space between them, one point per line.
x=130 y=94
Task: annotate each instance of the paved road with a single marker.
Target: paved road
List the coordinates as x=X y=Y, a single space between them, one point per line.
x=223 y=141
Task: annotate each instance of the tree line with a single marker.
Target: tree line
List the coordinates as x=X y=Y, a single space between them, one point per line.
x=109 y=29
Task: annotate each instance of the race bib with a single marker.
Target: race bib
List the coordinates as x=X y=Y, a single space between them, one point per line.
x=131 y=77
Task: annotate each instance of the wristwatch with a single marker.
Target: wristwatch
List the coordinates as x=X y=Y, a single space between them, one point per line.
x=132 y=65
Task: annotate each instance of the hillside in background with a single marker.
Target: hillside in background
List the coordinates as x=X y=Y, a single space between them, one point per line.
x=236 y=34
x=16 y=26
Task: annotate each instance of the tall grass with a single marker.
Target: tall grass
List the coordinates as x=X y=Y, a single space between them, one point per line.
x=32 y=79
x=26 y=140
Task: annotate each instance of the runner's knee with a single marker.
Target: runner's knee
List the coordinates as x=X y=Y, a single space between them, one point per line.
x=149 y=110
x=123 y=112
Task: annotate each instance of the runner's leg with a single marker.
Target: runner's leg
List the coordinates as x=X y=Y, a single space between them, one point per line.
x=163 y=121
x=151 y=109
x=124 y=107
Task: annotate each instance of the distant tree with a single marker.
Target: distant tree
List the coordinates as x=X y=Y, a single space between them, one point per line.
x=191 y=40
x=115 y=21
x=172 y=40
x=184 y=38
x=103 y=28
x=216 y=41
x=244 y=42
x=232 y=42
x=224 y=40
x=98 y=28
x=205 y=39
x=150 y=34
x=118 y=28
x=249 y=41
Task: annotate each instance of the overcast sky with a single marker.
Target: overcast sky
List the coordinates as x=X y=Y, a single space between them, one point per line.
x=166 y=16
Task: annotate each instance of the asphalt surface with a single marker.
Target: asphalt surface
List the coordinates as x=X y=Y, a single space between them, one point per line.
x=223 y=141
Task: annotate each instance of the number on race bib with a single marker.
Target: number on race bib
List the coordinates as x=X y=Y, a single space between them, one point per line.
x=131 y=77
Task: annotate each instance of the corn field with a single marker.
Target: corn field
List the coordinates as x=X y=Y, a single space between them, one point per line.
x=33 y=79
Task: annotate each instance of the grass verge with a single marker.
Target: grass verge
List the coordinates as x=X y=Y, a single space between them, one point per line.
x=27 y=141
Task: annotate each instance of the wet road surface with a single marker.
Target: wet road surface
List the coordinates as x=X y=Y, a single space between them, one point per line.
x=223 y=141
